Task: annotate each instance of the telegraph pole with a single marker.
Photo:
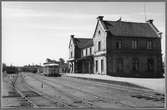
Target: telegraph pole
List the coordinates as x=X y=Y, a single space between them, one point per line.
x=145 y=16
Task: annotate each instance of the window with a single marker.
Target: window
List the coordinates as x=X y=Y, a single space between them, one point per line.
x=71 y=54
x=99 y=32
x=119 y=63
x=70 y=45
x=134 y=44
x=72 y=67
x=86 y=52
x=81 y=52
x=135 y=64
x=149 y=44
x=96 y=65
x=99 y=46
x=102 y=65
x=150 y=65
x=118 y=44
x=90 y=50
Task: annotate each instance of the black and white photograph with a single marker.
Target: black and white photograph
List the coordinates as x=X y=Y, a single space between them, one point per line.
x=75 y=55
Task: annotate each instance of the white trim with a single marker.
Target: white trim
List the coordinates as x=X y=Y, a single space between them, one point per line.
x=51 y=64
x=102 y=26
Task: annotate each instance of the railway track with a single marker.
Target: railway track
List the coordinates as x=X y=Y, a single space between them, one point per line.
x=96 y=96
x=28 y=102
x=76 y=102
x=28 y=99
x=33 y=102
x=148 y=93
x=55 y=99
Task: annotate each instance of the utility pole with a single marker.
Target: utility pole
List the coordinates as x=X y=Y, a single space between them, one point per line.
x=145 y=16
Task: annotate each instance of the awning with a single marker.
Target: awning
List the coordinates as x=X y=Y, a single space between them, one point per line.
x=52 y=64
x=71 y=60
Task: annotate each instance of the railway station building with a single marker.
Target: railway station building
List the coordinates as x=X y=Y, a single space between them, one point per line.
x=118 y=48
x=81 y=55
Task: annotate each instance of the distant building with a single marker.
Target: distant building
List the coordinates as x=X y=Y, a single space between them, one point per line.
x=118 y=48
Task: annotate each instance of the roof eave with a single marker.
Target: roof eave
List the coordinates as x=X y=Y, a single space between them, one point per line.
x=147 y=37
x=155 y=29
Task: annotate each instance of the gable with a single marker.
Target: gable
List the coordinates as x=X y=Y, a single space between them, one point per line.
x=71 y=43
x=100 y=27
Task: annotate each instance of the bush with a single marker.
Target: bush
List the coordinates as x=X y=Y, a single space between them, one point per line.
x=54 y=75
x=11 y=70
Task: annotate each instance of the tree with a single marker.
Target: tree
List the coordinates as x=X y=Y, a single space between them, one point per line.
x=61 y=60
x=3 y=67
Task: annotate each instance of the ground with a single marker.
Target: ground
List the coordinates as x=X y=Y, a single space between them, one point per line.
x=69 y=92
x=157 y=84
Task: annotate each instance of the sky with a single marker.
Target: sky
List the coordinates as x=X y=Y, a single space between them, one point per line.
x=34 y=31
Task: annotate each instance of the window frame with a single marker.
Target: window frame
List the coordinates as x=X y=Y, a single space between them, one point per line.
x=150 y=64
x=90 y=51
x=96 y=65
x=135 y=64
x=119 y=65
x=119 y=44
x=99 y=45
x=86 y=53
x=102 y=65
x=71 y=53
x=99 y=32
x=149 y=44
x=134 y=44
x=82 y=53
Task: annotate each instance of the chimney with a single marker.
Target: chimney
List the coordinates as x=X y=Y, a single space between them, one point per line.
x=119 y=19
x=72 y=36
x=150 y=21
x=100 y=18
